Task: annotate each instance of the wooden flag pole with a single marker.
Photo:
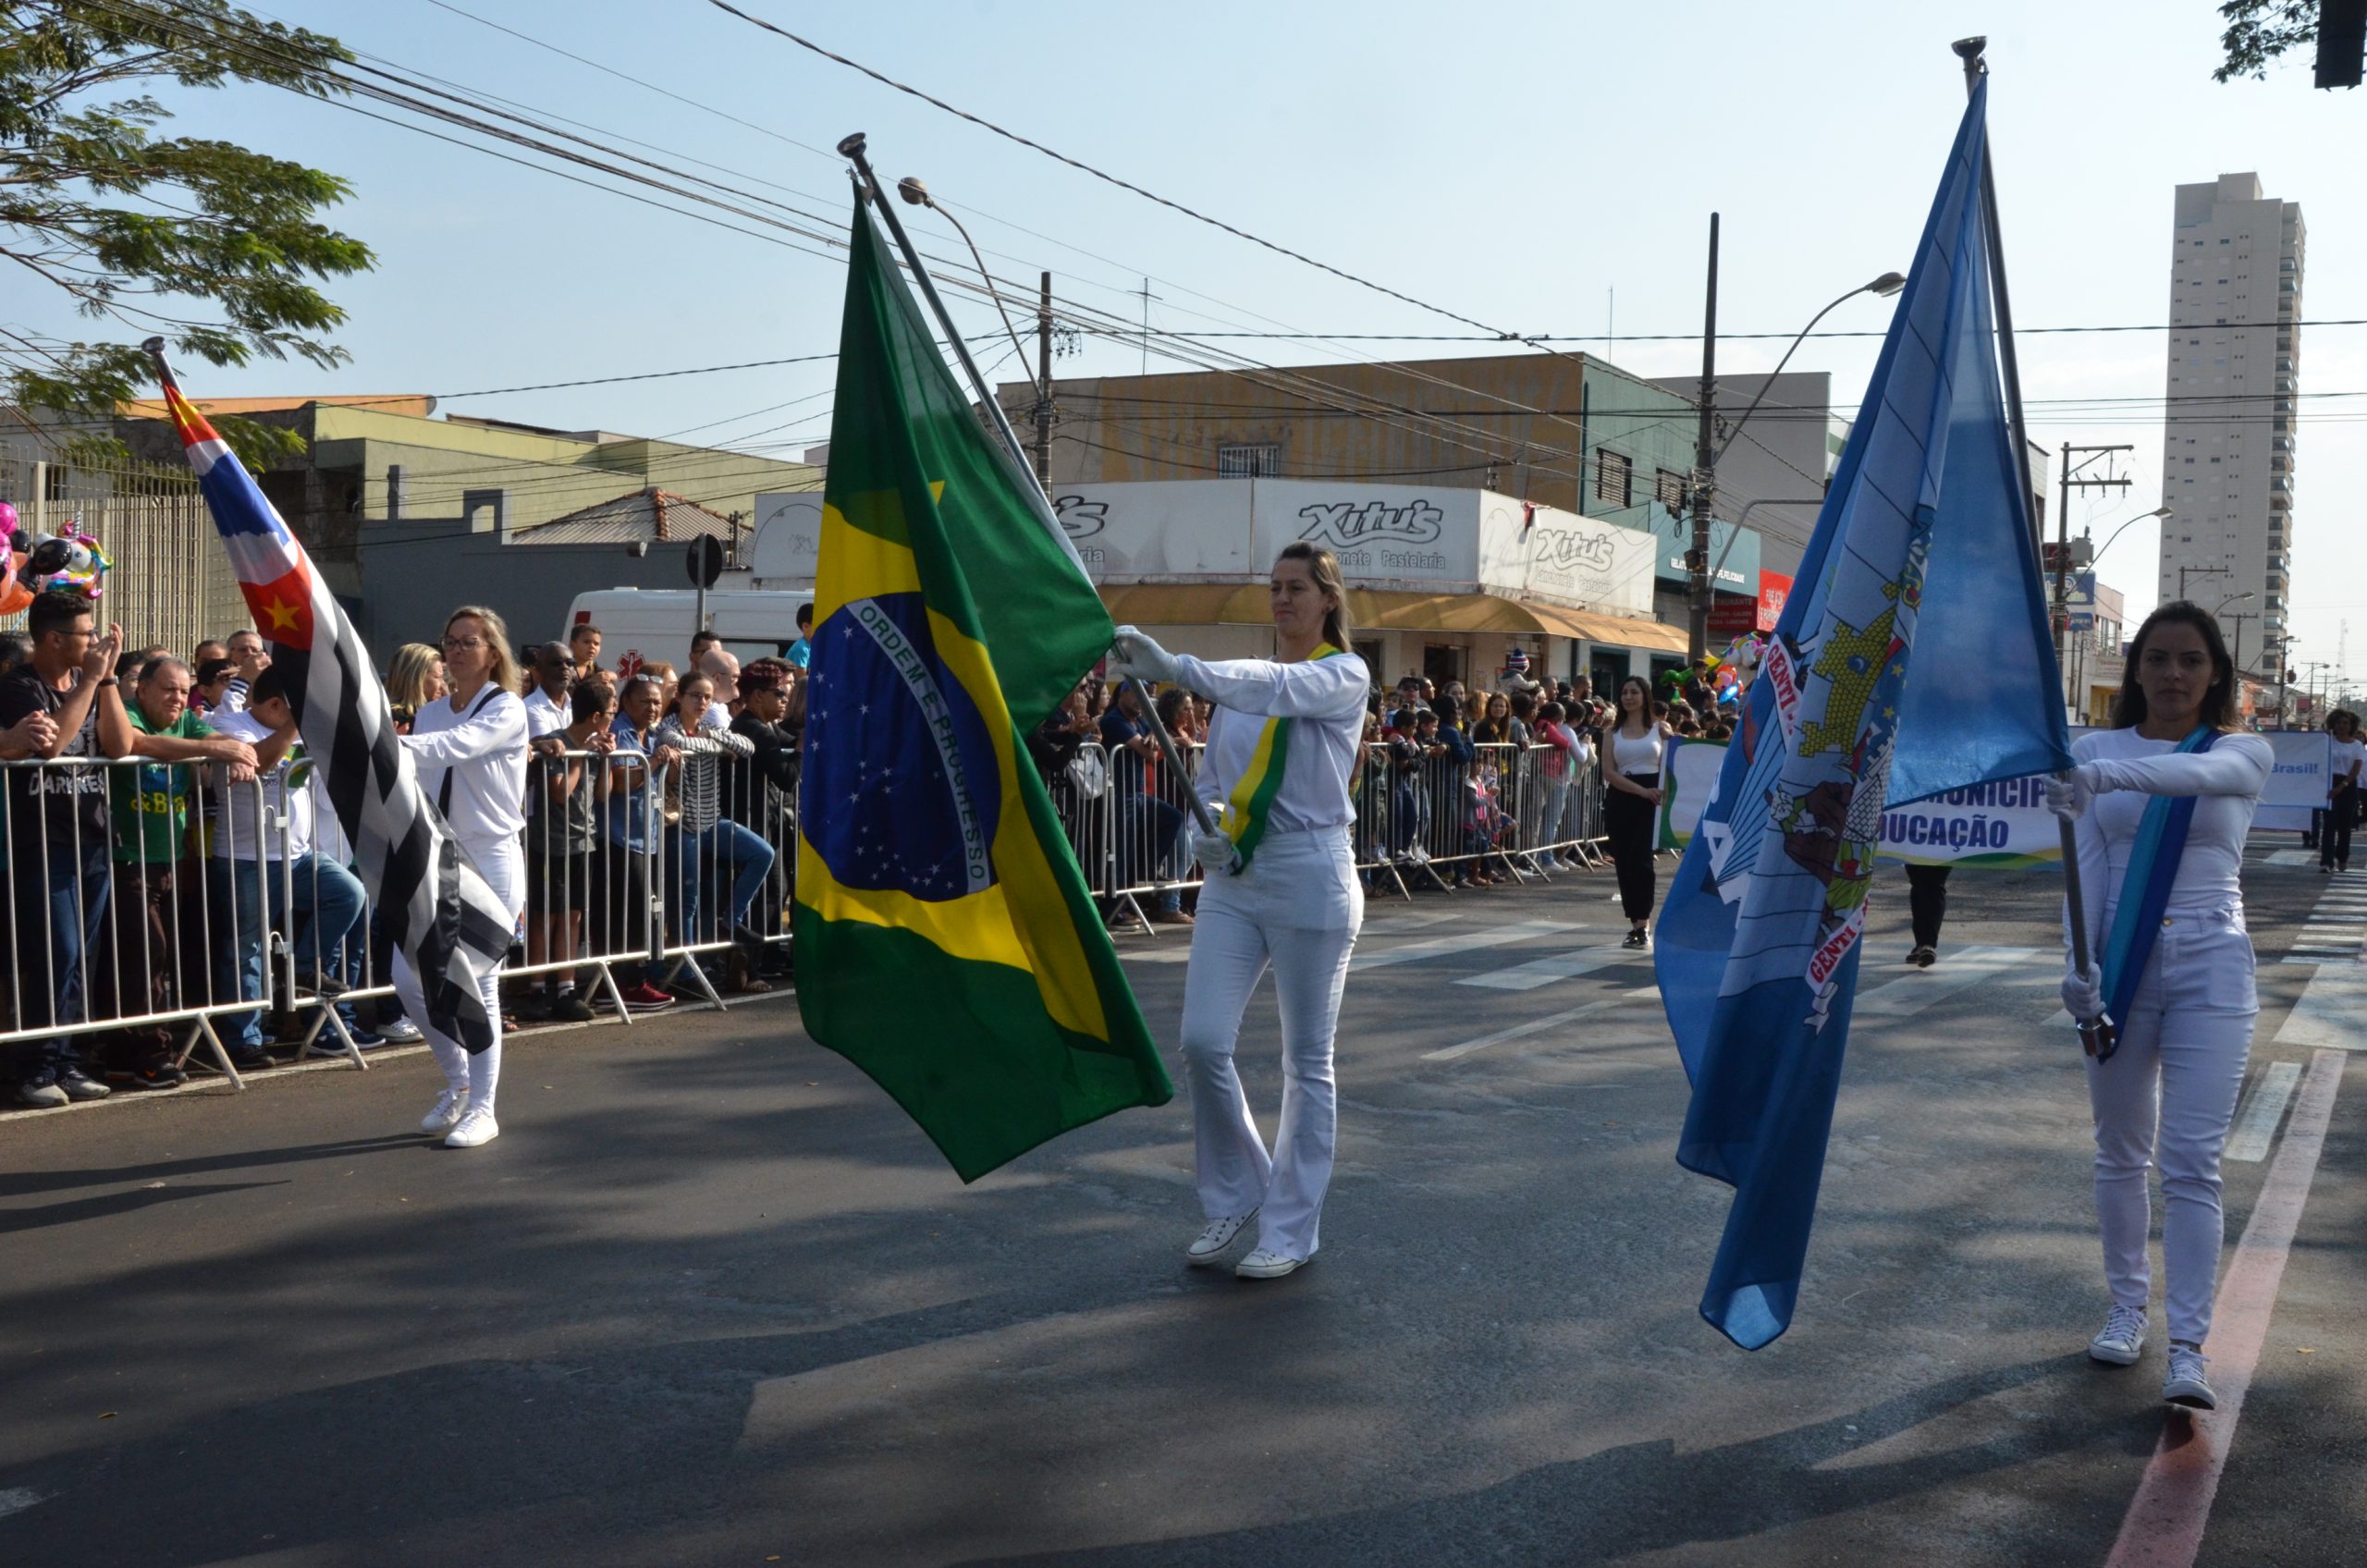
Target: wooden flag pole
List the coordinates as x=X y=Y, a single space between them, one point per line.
x=2095 y=1034
x=855 y=151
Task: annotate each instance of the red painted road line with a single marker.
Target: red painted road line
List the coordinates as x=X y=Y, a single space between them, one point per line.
x=2164 y=1528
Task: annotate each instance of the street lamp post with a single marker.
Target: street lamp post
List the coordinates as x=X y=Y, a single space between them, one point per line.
x=2096 y=555
x=1708 y=448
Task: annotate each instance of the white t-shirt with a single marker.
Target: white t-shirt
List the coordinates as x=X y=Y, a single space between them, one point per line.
x=483 y=749
x=1325 y=701
x=545 y=717
x=2226 y=781
x=2346 y=754
x=287 y=791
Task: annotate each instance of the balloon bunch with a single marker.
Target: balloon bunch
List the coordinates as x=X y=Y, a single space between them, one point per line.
x=43 y=563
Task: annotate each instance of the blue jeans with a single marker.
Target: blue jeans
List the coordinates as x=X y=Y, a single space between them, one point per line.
x=327 y=900
x=725 y=843
x=49 y=974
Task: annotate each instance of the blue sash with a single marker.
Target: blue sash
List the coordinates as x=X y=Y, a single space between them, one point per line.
x=2153 y=867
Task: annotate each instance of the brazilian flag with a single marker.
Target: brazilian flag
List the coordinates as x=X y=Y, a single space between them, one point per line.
x=946 y=943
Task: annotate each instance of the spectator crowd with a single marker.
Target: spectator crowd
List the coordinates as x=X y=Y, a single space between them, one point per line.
x=172 y=853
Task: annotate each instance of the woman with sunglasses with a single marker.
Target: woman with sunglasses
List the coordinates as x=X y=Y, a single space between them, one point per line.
x=470 y=748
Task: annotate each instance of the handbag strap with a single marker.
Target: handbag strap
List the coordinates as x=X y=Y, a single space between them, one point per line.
x=443 y=795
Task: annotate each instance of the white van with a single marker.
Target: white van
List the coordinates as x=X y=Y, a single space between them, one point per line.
x=641 y=626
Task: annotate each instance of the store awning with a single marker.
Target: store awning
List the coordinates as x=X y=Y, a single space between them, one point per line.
x=1221 y=604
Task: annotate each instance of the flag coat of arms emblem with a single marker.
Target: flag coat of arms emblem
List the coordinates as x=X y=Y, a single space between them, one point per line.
x=1912 y=658
x=436 y=908
x=945 y=942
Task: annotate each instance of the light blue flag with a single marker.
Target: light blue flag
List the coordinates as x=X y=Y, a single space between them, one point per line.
x=1912 y=658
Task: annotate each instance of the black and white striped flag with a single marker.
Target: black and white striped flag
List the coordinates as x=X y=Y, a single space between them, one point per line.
x=437 y=909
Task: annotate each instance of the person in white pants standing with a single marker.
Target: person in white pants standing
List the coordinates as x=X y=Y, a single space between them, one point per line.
x=470 y=748
x=2166 y=920
x=1280 y=888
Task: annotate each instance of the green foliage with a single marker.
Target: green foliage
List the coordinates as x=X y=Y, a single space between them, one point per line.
x=2259 y=30
x=207 y=244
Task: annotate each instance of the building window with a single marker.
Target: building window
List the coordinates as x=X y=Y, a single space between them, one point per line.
x=1614 y=478
x=1668 y=489
x=1249 y=459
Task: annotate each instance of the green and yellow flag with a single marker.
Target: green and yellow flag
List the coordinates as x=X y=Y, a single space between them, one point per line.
x=946 y=943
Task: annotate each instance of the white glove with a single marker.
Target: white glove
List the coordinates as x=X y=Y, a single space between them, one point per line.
x=1135 y=654
x=1213 y=850
x=2068 y=794
x=2083 y=995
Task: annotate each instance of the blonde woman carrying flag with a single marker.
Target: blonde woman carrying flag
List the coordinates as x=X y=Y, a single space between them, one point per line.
x=1281 y=890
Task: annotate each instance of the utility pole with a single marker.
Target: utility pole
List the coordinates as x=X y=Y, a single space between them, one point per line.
x=2070 y=479
x=2186 y=571
x=1705 y=467
x=2236 y=656
x=1044 y=381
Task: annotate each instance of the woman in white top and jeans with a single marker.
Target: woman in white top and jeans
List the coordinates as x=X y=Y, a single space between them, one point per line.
x=1631 y=801
x=2184 y=1016
x=470 y=748
x=1280 y=888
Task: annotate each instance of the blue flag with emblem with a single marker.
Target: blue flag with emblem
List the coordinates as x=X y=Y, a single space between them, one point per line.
x=1913 y=658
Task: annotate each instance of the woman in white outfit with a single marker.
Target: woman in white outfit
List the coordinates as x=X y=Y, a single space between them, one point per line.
x=470 y=748
x=2183 y=1011
x=1280 y=888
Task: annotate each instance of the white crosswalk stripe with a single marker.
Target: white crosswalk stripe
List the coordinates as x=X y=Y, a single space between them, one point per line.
x=2331 y=1010
x=1545 y=970
x=1551 y=1020
x=2263 y=1108
x=1910 y=994
x=1462 y=941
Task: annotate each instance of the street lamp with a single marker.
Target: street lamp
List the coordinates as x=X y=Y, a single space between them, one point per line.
x=1883 y=287
x=1708 y=449
x=2096 y=555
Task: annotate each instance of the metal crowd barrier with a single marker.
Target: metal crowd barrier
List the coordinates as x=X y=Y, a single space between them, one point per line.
x=1521 y=810
x=207 y=907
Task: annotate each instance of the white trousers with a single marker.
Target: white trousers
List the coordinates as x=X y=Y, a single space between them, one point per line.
x=2165 y=1098
x=1297 y=908
x=475 y=1075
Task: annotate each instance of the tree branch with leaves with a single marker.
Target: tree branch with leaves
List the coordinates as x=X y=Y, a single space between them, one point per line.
x=2259 y=30
x=214 y=247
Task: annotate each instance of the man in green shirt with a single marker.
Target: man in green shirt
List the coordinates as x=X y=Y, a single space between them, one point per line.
x=157 y=912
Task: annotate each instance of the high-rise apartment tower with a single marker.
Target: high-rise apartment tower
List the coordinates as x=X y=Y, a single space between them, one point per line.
x=2228 y=449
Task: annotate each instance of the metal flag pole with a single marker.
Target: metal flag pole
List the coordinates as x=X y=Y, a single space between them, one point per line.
x=855 y=150
x=2095 y=1034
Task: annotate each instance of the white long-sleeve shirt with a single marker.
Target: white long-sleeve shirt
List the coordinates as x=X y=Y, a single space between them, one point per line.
x=482 y=747
x=2128 y=770
x=1327 y=699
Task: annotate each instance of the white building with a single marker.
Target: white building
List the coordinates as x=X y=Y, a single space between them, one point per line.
x=2228 y=427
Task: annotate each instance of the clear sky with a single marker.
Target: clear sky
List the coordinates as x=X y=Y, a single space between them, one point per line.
x=1512 y=161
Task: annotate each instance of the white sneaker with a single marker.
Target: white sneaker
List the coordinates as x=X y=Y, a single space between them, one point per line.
x=2186 y=1384
x=1216 y=1239
x=2121 y=1339
x=447 y=1114
x=1265 y=1264
x=400 y=1030
x=475 y=1126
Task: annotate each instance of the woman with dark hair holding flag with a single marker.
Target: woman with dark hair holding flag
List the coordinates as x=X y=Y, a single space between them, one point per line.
x=2174 y=786
x=1281 y=888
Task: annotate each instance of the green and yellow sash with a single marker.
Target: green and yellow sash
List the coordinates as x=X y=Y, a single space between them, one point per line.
x=1246 y=809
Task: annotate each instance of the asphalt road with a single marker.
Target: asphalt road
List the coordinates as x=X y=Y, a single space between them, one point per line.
x=710 y=1300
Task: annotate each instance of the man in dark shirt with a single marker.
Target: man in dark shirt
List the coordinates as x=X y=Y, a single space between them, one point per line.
x=57 y=832
x=761 y=793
